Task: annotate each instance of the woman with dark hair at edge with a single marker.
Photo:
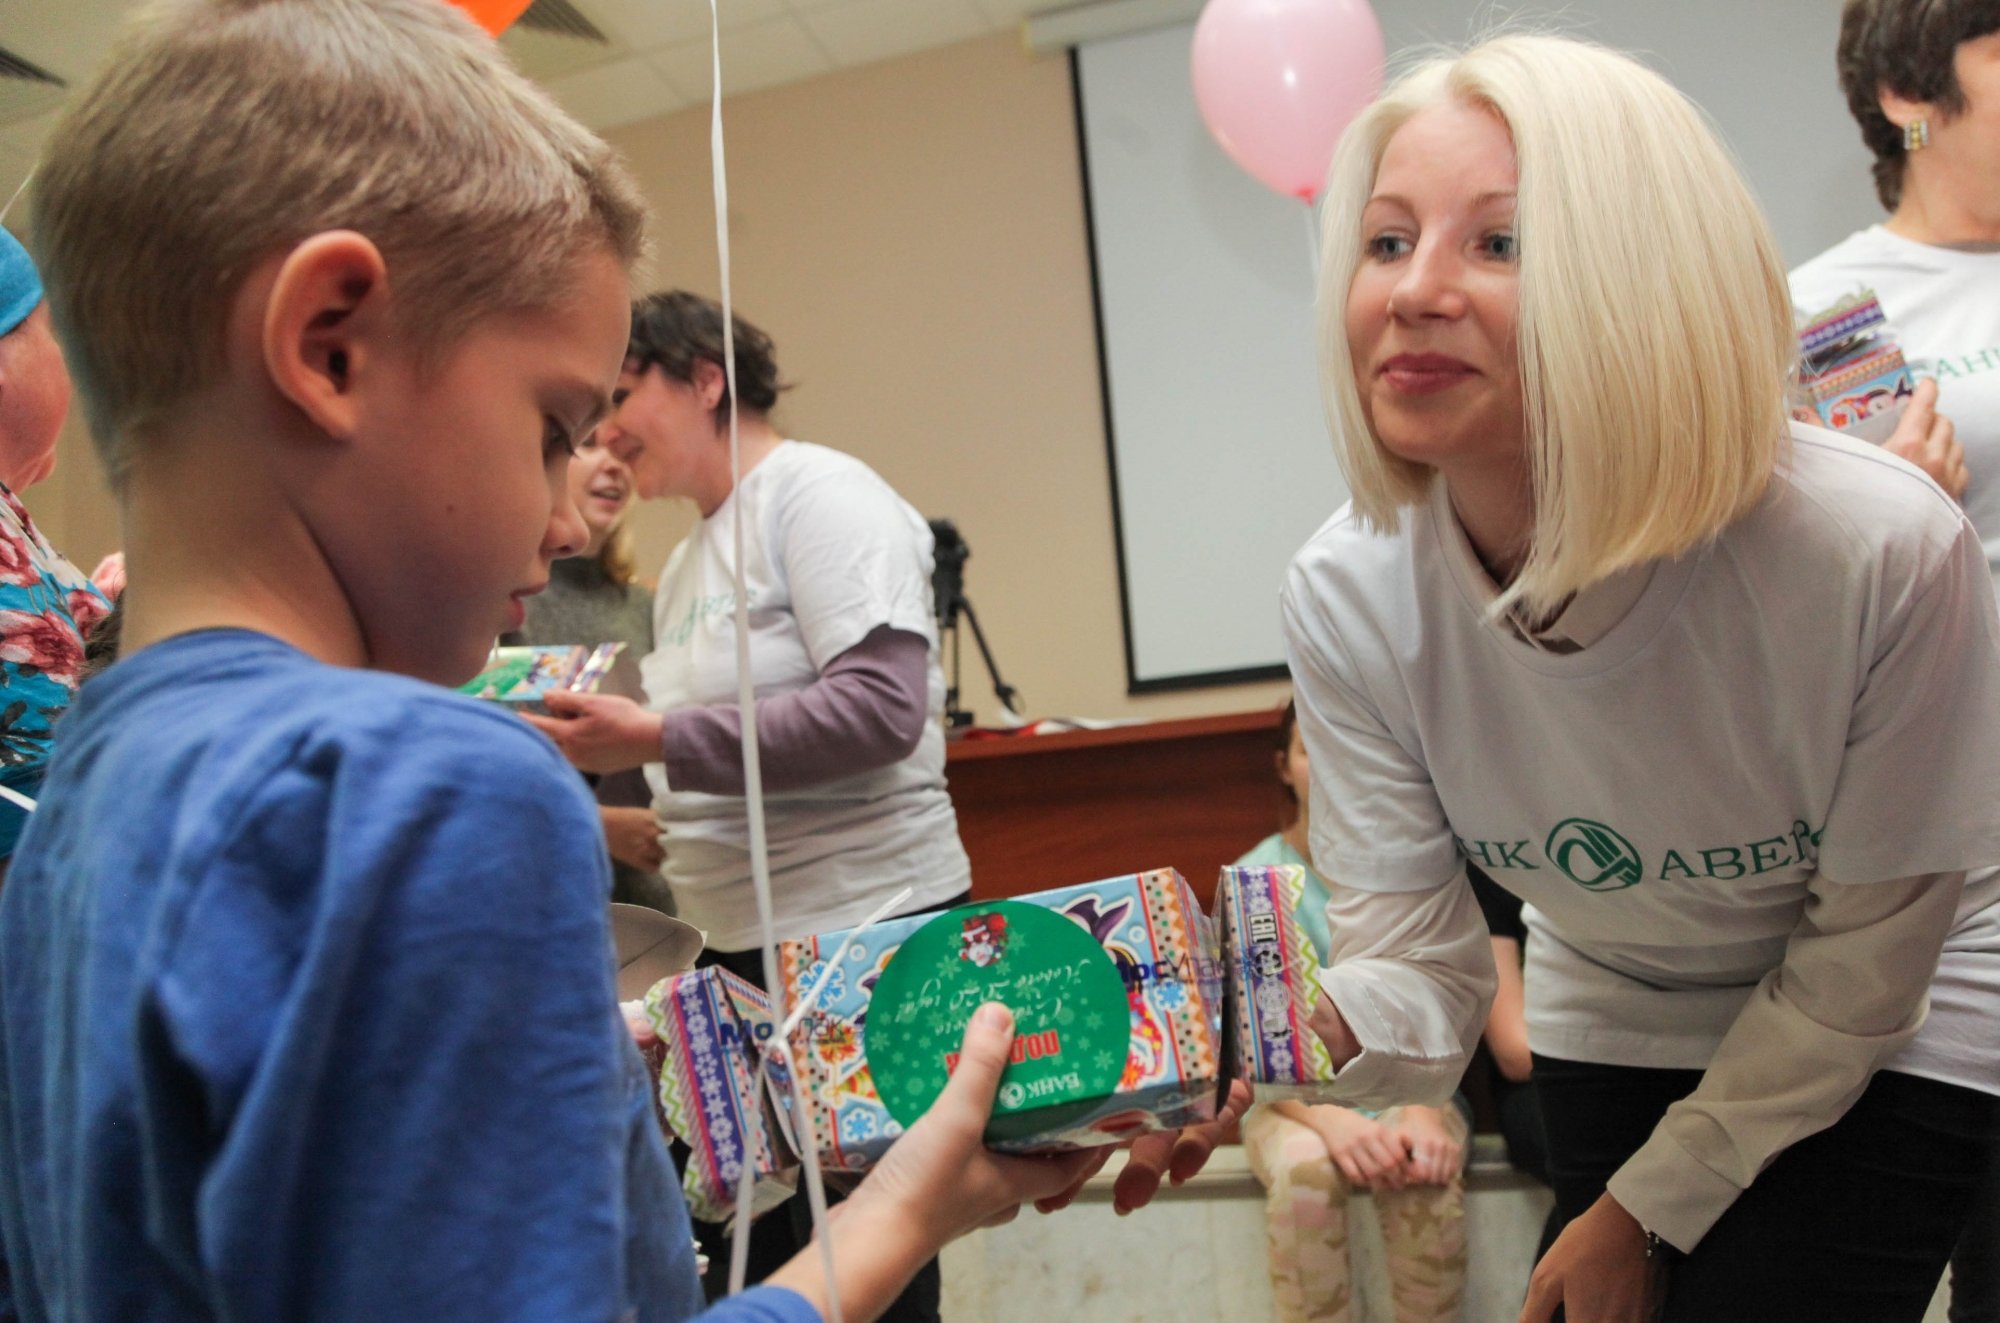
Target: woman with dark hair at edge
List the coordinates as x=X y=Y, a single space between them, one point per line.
x=1922 y=78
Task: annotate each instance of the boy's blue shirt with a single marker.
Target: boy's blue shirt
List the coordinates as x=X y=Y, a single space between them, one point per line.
x=307 y=1011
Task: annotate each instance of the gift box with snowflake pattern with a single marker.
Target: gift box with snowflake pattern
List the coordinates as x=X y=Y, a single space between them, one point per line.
x=713 y=1026
x=1271 y=975
x=1115 y=988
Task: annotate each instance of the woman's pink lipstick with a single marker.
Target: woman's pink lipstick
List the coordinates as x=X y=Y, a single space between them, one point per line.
x=1425 y=374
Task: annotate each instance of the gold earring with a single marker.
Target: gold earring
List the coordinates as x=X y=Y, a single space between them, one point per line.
x=1916 y=135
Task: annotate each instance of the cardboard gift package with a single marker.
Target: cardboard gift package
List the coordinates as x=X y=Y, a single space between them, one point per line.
x=1271 y=982
x=1116 y=991
x=713 y=1027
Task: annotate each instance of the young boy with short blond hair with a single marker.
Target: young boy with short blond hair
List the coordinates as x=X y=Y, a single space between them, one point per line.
x=306 y=998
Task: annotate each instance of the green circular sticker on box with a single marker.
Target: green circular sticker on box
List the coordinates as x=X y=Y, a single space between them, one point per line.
x=1072 y=1024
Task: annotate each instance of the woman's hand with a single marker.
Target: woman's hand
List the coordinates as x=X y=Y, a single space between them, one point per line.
x=600 y=732
x=1369 y=1154
x=633 y=834
x=1927 y=439
x=1170 y=1155
x=1435 y=1151
x=1597 y=1270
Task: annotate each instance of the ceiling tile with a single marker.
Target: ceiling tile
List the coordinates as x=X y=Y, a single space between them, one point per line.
x=548 y=56
x=857 y=31
x=1006 y=13
x=69 y=38
x=616 y=93
x=762 y=55
x=651 y=24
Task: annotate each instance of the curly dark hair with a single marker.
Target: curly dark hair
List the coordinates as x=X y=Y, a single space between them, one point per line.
x=676 y=329
x=1905 y=46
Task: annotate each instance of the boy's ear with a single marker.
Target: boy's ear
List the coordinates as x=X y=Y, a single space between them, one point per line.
x=324 y=326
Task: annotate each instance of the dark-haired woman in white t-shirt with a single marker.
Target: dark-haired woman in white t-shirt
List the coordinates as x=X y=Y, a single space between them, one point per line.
x=1922 y=79
x=844 y=658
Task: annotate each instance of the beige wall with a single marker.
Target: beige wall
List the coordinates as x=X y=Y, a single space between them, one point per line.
x=912 y=235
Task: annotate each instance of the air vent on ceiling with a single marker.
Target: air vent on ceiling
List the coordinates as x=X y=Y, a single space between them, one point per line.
x=561 y=18
x=27 y=71
x=27 y=92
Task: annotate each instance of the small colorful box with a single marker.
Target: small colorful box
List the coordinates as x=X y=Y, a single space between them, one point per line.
x=714 y=1027
x=1271 y=976
x=1852 y=370
x=522 y=677
x=1116 y=992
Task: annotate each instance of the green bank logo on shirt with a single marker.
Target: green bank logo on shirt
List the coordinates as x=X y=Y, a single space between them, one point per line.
x=1599 y=858
x=1593 y=855
x=699 y=610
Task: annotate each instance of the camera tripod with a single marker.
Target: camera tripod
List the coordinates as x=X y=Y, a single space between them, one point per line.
x=951 y=604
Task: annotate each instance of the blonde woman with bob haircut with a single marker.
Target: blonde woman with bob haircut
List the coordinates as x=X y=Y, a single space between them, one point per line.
x=1715 y=694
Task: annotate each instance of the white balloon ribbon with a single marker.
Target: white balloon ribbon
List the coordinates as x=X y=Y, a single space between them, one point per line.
x=753 y=772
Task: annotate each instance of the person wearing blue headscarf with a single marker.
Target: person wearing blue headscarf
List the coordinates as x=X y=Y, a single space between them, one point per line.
x=47 y=606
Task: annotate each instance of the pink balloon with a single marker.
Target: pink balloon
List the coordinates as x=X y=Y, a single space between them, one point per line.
x=1278 y=80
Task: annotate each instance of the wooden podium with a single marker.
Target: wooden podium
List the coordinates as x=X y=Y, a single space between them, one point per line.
x=1041 y=811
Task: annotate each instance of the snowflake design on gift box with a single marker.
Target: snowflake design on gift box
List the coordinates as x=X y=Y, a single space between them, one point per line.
x=858 y=1126
x=722 y=1131
x=1171 y=994
x=731 y=1171
x=1281 y=1061
x=836 y=983
x=698 y=1024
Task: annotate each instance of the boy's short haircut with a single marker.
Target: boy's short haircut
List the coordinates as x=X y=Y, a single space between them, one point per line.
x=223 y=132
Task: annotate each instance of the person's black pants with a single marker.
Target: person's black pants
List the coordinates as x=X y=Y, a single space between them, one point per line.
x=781 y=1233
x=1850 y=1225
x=1975 y=1264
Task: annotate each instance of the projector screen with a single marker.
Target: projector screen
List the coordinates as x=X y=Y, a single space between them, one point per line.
x=1221 y=463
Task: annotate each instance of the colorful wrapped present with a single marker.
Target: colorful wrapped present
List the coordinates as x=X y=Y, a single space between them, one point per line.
x=1271 y=973
x=713 y=1027
x=1852 y=370
x=522 y=677
x=1116 y=993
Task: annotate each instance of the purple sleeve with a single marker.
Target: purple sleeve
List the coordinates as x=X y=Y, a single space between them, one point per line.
x=866 y=710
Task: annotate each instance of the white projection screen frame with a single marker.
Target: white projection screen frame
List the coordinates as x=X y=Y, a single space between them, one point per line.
x=1221 y=465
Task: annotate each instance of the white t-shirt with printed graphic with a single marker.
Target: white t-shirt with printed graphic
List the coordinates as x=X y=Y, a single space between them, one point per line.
x=1944 y=307
x=831 y=554
x=1817 y=690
